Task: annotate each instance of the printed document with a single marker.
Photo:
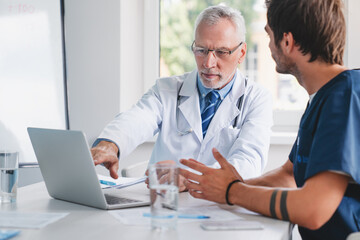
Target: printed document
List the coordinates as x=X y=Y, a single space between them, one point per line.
x=135 y=216
x=28 y=220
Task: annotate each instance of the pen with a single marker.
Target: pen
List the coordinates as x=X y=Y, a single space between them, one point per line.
x=190 y=216
x=185 y=216
x=107 y=183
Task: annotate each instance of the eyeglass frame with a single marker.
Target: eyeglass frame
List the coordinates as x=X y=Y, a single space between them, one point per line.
x=229 y=52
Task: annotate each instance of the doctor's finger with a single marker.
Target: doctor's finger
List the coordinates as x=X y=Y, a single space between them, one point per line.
x=113 y=170
x=100 y=160
x=221 y=160
x=106 y=159
x=190 y=175
x=193 y=164
x=96 y=156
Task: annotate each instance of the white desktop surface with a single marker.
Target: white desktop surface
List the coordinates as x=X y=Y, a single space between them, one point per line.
x=90 y=223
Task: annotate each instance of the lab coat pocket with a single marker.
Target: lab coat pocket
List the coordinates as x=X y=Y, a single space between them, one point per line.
x=227 y=138
x=183 y=128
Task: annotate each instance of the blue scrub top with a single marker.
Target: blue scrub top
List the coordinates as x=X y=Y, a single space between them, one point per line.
x=329 y=140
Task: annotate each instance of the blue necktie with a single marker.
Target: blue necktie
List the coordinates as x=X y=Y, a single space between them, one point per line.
x=209 y=111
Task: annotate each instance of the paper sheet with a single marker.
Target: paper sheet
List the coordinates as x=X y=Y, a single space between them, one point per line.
x=28 y=220
x=121 y=182
x=134 y=216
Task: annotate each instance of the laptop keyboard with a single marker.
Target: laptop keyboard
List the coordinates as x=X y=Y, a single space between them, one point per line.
x=111 y=200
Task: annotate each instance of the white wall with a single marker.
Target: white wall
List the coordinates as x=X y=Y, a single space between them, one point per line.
x=131 y=52
x=105 y=60
x=92 y=32
x=352 y=52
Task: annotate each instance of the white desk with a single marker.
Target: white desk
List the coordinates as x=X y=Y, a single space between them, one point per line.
x=90 y=223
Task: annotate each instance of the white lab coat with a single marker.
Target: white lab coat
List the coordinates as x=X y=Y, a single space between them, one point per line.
x=171 y=108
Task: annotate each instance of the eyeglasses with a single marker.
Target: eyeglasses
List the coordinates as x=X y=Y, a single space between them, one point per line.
x=219 y=53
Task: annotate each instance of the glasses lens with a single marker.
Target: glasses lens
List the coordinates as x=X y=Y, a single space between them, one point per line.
x=201 y=52
x=221 y=53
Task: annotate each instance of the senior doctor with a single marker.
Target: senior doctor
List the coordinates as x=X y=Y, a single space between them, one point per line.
x=213 y=106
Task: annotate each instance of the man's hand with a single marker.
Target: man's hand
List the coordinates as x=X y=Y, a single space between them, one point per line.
x=106 y=153
x=212 y=184
x=182 y=187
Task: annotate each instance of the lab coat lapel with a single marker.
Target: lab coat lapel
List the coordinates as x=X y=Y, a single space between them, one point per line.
x=189 y=105
x=228 y=109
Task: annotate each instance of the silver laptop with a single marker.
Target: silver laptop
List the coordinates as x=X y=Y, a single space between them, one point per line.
x=69 y=173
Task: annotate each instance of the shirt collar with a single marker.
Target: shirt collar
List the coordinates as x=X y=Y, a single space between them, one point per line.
x=203 y=91
x=311 y=97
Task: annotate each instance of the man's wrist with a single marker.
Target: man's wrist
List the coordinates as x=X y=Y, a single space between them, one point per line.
x=234 y=192
x=227 y=197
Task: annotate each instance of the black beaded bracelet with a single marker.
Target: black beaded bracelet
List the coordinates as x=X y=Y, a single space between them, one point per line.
x=227 y=191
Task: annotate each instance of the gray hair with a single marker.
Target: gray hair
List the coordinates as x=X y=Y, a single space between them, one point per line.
x=213 y=14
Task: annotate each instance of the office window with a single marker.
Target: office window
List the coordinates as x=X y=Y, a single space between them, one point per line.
x=251 y=65
x=32 y=79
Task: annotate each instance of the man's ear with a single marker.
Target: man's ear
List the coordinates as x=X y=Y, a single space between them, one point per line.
x=243 y=52
x=288 y=42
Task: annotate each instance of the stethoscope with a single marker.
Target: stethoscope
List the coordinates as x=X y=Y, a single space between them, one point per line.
x=190 y=130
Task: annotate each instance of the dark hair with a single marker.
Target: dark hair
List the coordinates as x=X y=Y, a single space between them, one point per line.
x=318 y=26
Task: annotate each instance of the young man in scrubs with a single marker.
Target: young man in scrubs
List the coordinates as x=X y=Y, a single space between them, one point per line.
x=318 y=187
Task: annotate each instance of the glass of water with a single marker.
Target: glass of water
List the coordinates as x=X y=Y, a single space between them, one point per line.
x=164 y=194
x=9 y=167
